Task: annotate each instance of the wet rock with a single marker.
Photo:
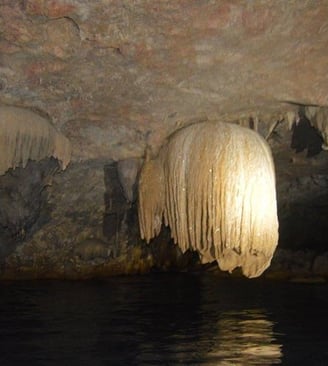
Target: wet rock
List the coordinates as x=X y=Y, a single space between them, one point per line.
x=287 y=263
x=303 y=207
x=93 y=248
x=309 y=280
x=22 y=194
x=320 y=265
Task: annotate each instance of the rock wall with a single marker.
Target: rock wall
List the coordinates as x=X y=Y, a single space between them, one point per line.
x=77 y=225
x=117 y=78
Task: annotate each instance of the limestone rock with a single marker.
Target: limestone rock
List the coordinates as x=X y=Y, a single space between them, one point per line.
x=116 y=76
x=93 y=248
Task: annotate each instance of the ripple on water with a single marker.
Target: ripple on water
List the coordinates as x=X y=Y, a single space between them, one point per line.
x=176 y=319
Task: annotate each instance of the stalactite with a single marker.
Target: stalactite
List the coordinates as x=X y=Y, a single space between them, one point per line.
x=214 y=183
x=128 y=170
x=151 y=184
x=318 y=117
x=24 y=136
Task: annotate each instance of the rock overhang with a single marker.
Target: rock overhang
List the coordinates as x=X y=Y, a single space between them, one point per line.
x=117 y=76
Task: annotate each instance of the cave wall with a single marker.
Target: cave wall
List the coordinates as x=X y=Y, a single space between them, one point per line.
x=75 y=224
x=78 y=223
x=116 y=78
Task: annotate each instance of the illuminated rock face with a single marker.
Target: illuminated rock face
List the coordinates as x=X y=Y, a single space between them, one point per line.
x=214 y=185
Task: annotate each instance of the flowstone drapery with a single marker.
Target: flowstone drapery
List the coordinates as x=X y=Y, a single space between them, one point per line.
x=24 y=135
x=214 y=185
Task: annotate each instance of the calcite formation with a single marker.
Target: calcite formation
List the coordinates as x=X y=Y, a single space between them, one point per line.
x=214 y=185
x=318 y=117
x=25 y=136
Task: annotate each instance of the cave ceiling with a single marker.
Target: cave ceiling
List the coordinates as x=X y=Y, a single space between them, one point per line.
x=117 y=75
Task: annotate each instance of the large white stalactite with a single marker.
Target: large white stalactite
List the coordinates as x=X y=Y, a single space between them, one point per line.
x=24 y=136
x=214 y=185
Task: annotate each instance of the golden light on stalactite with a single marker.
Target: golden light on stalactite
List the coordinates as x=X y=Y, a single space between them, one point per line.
x=24 y=135
x=214 y=185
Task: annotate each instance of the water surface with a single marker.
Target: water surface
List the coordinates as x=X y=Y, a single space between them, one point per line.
x=163 y=319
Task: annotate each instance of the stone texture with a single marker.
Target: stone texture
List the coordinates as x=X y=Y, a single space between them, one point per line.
x=81 y=226
x=118 y=75
x=117 y=78
x=128 y=172
x=22 y=197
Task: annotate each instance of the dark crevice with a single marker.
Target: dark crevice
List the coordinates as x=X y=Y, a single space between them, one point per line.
x=305 y=136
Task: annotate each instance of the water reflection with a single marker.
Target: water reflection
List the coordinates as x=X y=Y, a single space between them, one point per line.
x=245 y=338
x=163 y=320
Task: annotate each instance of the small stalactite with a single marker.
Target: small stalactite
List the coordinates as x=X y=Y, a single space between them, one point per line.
x=119 y=210
x=318 y=116
x=24 y=136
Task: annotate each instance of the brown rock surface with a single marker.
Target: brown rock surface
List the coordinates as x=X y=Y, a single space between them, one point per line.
x=118 y=77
